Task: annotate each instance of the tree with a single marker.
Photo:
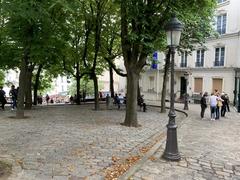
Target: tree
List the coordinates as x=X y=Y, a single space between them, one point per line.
x=111 y=44
x=142 y=32
x=1 y=78
x=29 y=28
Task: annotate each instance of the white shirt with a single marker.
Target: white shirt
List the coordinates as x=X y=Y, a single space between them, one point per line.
x=213 y=101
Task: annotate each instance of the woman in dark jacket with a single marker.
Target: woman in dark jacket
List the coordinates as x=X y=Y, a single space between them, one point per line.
x=203 y=103
x=2 y=97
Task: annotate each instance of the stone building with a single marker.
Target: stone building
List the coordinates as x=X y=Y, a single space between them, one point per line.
x=217 y=66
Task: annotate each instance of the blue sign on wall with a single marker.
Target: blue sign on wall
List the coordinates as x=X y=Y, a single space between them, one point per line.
x=155 y=60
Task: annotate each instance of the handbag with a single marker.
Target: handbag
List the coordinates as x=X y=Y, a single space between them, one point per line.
x=219 y=103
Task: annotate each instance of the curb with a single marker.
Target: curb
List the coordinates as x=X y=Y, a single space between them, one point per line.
x=127 y=175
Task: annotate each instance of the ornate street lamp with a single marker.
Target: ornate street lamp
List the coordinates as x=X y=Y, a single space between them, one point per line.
x=173 y=30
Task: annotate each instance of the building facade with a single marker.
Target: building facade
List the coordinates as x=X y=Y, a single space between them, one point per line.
x=214 y=66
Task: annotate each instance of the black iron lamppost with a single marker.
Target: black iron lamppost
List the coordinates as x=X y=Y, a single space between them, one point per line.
x=186 y=95
x=173 y=30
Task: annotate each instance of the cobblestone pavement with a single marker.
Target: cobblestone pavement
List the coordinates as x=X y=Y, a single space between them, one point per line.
x=72 y=142
x=210 y=150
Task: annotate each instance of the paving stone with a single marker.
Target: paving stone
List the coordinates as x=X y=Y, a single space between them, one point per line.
x=222 y=173
x=63 y=145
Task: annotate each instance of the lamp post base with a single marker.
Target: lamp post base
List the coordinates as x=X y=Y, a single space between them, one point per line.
x=171 y=151
x=171 y=157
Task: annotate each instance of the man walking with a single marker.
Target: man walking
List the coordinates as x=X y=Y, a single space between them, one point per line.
x=13 y=93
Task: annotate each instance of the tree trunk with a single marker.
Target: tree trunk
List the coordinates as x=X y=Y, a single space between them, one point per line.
x=78 y=84
x=131 y=107
x=96 y=95
x=164 y=86
x=36 y=84
x=138 y=91
x=21 y=90
x=28 y=89
x=111 y=81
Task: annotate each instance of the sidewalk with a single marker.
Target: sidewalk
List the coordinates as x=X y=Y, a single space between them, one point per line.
x=210 y=150
x=71 y=142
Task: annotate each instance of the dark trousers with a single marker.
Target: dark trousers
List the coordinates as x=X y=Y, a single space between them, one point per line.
x=217 y=112
x=227 y=107
x=143 y=105
x=202 y=111
x=213 y=112
x=223 y=110
x=14 y=102
x=2 y=105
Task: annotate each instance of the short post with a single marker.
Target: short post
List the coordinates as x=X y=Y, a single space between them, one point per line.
x=186 y=99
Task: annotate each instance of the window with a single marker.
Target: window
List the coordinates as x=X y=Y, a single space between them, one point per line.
x=221 y=23
x=198 y=82
x=219 y=56
x=183 y=59
x=221 y=1
x=200 y=58
x=151 y=84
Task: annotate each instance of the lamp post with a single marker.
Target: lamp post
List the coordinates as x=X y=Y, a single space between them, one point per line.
x=173 y=31
x=186 y=96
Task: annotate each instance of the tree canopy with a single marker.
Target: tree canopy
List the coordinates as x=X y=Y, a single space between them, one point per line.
x=82 y=38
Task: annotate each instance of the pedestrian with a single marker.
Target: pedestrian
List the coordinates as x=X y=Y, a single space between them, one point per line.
x=219 y=106
x=39 y=99
x=117 y=101
x=203 y=103
x=108 y=99
x=13 y=93
x=213 y=105
x=71 y=100
x=2 y=98
x=47 y=98
x=141 y=103
x=224 y=106
x=227 y=102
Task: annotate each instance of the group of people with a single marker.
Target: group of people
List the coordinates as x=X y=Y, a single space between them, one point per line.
x=219 y=104
x=13 y=94
x=119 y=99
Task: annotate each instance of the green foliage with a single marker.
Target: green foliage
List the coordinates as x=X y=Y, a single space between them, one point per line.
x=45 y=83
x=2 y=78
x=145 y=22
x=86 y=85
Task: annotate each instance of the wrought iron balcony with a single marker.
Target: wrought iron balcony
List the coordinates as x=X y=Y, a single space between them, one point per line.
x=218 y=63
x=199 y=64
x=183 y=64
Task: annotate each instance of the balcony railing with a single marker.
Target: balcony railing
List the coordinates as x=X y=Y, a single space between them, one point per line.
x=218 y=63
x=199 y=64
x=183 y=64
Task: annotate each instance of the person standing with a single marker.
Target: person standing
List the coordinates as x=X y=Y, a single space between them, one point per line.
x=213 y=106
x=227 y=102
x=203 y=103
x=219 y=106
x=13 y=93
x=108 y=99
x=117 y=101
x=47 y=98
x=224 y=106
x=2 y=98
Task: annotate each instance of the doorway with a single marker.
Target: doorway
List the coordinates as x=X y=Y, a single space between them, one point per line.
x=183 y=87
